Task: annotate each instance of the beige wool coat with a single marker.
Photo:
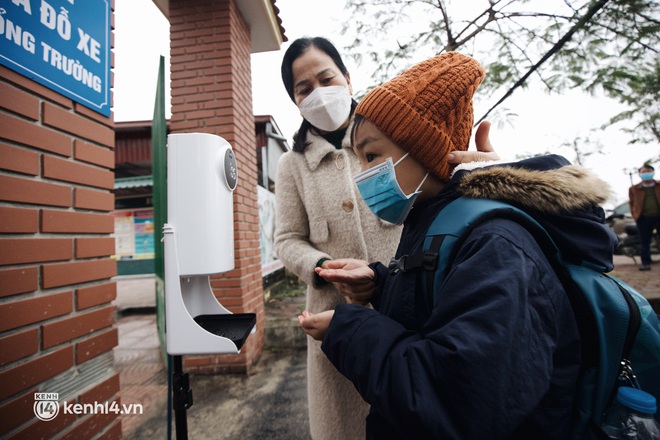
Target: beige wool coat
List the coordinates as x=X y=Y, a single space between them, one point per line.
x=320 y=214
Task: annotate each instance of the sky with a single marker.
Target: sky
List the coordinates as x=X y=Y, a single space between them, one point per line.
x=543 y=122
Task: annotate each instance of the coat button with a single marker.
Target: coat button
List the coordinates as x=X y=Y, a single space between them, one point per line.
x=347 y=205
x=340 y=161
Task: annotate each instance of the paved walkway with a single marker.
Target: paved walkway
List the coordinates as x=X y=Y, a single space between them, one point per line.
x=645 y=282
x=270 y=404
x=142 y=372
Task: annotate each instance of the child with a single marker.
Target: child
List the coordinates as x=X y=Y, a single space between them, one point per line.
x=498 y=355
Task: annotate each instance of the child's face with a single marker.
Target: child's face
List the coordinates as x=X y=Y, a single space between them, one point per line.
x=373 y=147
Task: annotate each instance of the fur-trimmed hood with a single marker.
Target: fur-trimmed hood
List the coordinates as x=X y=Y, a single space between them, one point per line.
x=556 y=191
x=566 y=199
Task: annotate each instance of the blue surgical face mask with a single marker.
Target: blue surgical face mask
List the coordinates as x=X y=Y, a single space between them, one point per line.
x=382 y=193
x=646 y=176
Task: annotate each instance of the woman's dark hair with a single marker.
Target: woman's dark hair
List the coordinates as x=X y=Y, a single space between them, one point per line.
x=295 y=50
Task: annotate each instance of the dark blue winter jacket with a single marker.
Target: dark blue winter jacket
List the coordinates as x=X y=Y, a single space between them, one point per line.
x=497 y=356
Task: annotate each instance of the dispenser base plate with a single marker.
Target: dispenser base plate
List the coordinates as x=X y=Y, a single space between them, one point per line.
x=235 y=327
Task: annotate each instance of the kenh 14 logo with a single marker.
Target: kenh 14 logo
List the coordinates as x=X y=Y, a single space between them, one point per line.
x=46 y=406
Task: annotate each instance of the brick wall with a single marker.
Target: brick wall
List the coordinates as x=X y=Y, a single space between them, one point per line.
x=56 y=318
x=212 y=93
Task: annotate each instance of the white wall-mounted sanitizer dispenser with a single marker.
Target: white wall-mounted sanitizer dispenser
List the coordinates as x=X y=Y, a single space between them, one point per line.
x=199 y=241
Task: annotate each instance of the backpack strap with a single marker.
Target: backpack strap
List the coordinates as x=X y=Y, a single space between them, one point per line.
x=455 y=222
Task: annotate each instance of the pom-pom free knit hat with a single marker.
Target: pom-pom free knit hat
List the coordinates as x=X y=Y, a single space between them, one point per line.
x=427 y=110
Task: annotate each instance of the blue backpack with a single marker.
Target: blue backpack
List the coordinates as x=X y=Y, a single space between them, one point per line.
x=620 y=332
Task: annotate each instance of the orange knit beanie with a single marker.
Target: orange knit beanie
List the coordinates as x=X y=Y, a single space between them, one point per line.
x=427 y=110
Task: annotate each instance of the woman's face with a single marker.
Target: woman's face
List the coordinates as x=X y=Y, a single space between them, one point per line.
x=314 y=68
x=373 y=147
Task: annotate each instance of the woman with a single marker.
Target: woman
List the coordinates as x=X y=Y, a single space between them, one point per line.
x=321 y=216
x=497 y=355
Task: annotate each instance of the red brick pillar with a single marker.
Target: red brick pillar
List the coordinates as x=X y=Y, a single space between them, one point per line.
x=212 y=93
x=56 y=318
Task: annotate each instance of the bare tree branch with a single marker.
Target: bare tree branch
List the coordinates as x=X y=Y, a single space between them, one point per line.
x=593 y=9
x=587 y=44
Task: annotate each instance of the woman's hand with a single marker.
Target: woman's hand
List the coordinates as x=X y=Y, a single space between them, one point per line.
x=353 y=278
x=484 y=153
x=316 y=325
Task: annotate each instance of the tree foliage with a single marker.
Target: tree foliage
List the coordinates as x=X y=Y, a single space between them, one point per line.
x=608 y=46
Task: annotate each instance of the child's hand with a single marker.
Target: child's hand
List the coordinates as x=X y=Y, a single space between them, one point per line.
x=353 y=278
x=316 y=325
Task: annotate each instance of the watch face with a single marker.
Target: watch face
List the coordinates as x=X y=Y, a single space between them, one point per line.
x=231 y=172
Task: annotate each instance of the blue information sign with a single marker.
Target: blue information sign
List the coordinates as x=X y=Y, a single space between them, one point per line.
x=62 y=44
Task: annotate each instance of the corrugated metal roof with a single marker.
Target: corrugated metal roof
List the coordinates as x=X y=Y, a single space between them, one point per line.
x=133 y=182
x=133 y=142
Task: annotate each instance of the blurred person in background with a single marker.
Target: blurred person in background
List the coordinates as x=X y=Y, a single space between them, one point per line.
x=644 y=199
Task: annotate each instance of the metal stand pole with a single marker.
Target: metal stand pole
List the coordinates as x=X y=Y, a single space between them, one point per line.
x=169 y=397
x=181 y=397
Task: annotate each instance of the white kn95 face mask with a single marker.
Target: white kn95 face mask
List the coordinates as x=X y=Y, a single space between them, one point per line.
x=327 y=108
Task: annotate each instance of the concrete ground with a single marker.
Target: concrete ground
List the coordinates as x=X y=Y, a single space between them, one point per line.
x=269 y=404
